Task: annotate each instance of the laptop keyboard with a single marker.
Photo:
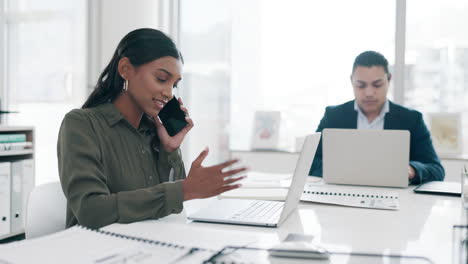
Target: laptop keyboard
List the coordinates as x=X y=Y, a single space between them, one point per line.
x=260 y=211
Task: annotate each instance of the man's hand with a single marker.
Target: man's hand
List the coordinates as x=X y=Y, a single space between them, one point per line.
x=411 y=173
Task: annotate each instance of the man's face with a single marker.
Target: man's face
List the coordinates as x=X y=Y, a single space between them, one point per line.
x=370 y=85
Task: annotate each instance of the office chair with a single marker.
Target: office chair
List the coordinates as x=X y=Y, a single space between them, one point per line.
x=46 y=210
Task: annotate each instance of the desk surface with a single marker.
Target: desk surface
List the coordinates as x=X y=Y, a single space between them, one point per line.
x=422 y=226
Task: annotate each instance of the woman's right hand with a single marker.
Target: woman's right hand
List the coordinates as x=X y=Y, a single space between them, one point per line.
x=169 y=143
x=204 y=182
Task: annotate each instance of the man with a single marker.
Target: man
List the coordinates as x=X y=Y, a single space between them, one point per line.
x=371 y=109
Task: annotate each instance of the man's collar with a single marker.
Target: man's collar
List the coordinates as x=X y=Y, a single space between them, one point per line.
x=385 y=108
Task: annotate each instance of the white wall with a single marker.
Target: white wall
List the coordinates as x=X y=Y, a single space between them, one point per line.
x=110 y=21
x=118 y=17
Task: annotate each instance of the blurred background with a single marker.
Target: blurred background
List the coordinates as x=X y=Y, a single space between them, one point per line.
x=241 y=56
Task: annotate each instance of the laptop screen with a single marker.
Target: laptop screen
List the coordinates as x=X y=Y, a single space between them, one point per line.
x=300 y=174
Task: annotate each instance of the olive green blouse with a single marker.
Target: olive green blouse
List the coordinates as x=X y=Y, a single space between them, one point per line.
x=112 y=172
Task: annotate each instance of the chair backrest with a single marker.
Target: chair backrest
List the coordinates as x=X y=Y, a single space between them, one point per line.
x=46 y=210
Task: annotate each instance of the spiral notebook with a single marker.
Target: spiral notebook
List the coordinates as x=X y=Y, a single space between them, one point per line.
x=350 y=196
x=81 y=245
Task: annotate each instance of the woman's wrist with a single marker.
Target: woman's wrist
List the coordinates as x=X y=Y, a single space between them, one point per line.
x=170 y=149
x=187 y=193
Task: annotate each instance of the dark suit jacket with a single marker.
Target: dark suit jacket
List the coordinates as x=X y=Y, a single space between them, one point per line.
x=422 y=155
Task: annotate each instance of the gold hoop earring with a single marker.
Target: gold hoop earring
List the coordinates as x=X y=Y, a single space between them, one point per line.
x=125 y=86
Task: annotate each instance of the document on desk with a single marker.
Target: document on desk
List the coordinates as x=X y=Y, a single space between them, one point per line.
x=81 y=245
x=269 y=194
x=258 y=180
x=261 y=186
x=187 y=234
x=355 y=196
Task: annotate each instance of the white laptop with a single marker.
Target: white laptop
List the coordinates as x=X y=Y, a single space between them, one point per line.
x=366 y=157
x=260 y=212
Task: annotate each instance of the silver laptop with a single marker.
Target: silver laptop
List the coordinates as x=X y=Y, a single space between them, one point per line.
x=259 y=212
x=366 y=157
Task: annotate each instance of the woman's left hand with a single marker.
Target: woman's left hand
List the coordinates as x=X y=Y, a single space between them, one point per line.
x=169 y=143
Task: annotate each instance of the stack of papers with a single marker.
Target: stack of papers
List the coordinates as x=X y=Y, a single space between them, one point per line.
x=262 y=186
x=266 y=180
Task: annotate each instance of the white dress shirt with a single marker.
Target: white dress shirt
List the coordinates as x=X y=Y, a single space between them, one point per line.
x=377 y=123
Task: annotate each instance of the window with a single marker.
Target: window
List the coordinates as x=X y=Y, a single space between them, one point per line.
x=290 y=56
x=302 y=58
x=437 y=57
x=45 y=77
x=205 y=88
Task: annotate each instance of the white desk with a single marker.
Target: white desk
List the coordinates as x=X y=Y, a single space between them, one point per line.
x=422 y=226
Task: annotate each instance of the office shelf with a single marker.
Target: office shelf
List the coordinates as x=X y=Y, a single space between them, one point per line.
x=16 y=152
x=17 y=179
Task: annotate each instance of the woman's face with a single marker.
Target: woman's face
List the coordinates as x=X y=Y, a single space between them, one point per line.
x=151 y=85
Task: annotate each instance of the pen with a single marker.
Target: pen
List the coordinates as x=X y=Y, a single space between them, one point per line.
x=190 y=252
x=106 y=258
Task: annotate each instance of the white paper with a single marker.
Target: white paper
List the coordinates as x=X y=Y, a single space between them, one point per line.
x=266 y=180
x=185 y=234
x=78 y=245
x=271 y=194
x=268 y=176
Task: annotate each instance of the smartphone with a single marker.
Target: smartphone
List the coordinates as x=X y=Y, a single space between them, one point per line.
x=172 y=117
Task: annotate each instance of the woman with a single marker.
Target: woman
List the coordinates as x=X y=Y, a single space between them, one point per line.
x=117 y=162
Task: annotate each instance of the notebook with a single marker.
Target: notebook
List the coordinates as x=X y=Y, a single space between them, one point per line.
x=350 y=196
x=81 y=245
x=262 y=213
x=165 y=228
x=439 y=187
